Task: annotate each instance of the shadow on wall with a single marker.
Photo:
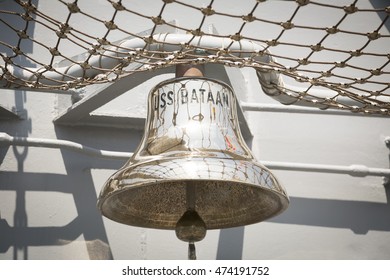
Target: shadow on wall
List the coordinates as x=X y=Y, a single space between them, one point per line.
x=78 y=182
x=11 y=38
x=358 y=216
x=88 y=222
x=22 y=129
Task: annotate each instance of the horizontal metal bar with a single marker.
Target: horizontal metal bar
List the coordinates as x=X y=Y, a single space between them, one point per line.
x=276 y=108
x=56 y=143
x=355 y=170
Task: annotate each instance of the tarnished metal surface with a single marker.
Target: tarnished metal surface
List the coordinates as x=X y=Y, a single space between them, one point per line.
x=192 y=156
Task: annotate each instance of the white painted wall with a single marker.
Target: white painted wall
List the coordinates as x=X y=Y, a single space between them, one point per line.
x=48 y=196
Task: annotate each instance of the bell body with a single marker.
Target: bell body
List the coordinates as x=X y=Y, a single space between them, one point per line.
x=192 y=157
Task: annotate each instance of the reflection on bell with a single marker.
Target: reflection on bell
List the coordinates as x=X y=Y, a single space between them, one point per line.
x=192 y=166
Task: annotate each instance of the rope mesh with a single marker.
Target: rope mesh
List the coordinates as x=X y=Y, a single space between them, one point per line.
x=308 y=57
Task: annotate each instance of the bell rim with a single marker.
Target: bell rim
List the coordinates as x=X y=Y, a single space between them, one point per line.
x=282 y=197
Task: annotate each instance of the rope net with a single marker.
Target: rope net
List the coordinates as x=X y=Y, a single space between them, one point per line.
x=328 y=61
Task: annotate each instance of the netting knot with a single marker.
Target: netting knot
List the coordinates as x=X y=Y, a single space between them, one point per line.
x=110 y=25
x=73 y=8
x=118 y=6
x=350 y=9
x=340 y=64
x=149 y=40
x=85 y=65
x=22 y=34
x=287 y=25
x=360 y=80
x=317 y=47
x=236 y=37
x=315 y=82
x=158 y=20
x=17 y=51
x=103 y=41
x=302 y=2
x=376 y=72
x=54 y=51
x=373 y=35
x=26 y=16
x=356 y=53
x=248 y=18
x=272 y=43
x=197 y=32
x=61 y=34
x=332 y=30
x=27 y=6
x=207 y=11
x=326 y=74
x=303 y=61
x=48 y=67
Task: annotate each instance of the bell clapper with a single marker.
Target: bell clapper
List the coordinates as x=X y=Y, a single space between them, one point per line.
x=191 y=227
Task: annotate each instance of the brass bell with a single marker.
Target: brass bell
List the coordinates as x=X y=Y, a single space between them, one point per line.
x=192 y=170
